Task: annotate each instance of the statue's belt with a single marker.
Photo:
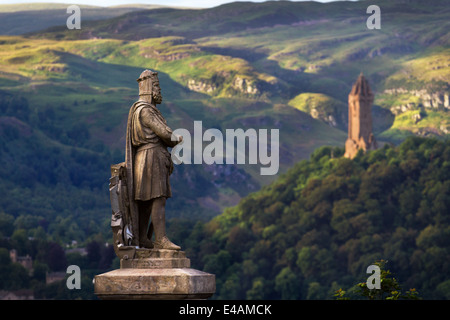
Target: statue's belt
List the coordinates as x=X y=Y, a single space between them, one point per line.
x=148 y=146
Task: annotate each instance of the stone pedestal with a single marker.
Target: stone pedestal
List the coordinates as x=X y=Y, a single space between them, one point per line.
x=155 y=274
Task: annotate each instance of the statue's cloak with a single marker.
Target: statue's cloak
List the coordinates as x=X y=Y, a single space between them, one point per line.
x=147 y=173
x=130 y=152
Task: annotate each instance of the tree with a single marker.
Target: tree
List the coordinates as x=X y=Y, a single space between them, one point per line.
x=56 y=257
x=93 y=254
x=287 y=283
x=390 y=288
x=40 y=271
x=258 y=289
x=18 y=277
x=19 y=240
x=6 y=224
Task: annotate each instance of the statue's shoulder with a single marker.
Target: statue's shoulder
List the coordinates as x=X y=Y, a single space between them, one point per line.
x=138 y=106
x=148 y=107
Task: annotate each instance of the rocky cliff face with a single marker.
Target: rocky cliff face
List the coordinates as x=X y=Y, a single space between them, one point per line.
x=423 y=112
x=203 y=86
x=427 y=99
x=245 y=86
x=237 y=85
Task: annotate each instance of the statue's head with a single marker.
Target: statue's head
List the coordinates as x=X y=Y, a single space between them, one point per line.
x=149 y=85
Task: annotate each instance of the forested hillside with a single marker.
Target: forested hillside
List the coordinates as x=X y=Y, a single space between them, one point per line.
x=319 y=226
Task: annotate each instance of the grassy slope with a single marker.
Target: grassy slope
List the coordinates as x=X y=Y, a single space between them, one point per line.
x=79 y=76
x=323 y=107
x=326 y=54
x=288 y=50
x=267 y=41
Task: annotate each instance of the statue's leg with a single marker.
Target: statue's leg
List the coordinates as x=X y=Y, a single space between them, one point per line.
x=150 y=230
x=144 y=217
x=159 y=225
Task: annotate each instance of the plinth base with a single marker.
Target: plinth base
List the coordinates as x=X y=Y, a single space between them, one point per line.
x=155 y=275
x=149 y=284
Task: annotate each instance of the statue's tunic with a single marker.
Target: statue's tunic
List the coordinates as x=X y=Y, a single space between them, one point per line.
x=152 y=164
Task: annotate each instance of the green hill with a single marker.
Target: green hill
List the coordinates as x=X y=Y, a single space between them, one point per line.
x=322 y=107
x=284 y=65
x=320 y=225
x=65 y=96
x=282 y=49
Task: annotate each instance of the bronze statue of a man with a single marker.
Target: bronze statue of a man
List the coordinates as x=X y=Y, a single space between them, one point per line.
x=149 y=165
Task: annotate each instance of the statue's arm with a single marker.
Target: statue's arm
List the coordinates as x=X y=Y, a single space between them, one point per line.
x=151 y=121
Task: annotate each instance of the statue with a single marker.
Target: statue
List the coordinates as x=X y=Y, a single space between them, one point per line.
x=140 y=186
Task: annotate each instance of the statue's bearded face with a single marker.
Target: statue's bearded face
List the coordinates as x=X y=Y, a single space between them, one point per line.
x=156 y=92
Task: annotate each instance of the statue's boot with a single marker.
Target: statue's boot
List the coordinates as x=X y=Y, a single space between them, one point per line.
x=159 y=225
x=165 y=243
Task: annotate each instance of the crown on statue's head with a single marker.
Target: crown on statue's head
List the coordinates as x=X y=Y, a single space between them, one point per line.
x=145 y=81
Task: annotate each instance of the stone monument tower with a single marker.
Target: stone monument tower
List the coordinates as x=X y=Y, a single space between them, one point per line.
x=360 y=134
